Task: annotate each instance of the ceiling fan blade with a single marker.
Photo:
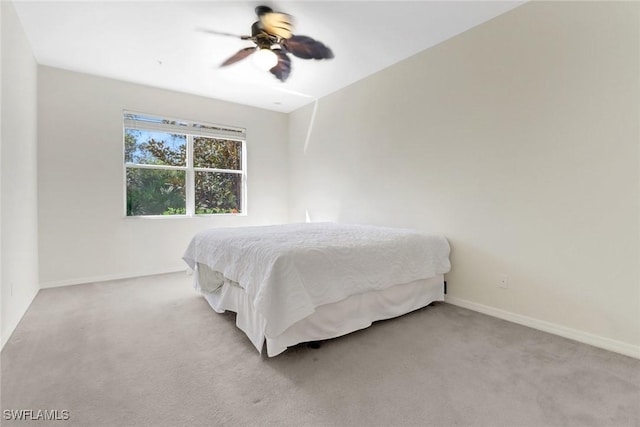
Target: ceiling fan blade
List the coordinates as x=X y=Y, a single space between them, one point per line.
x=274 y=23
x=261 y=10
x=241 y=54
x=277 y=24
x=307 y=48
x=283 y=67
x=221 y=33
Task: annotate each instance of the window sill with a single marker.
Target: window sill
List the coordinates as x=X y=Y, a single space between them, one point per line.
x=160 y=217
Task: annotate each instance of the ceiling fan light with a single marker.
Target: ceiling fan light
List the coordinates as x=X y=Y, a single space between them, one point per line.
x=265 y=59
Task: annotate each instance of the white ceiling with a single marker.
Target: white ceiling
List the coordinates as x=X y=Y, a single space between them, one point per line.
x=160 y=43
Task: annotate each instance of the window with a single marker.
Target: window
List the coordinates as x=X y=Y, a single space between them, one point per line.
x=178 y=167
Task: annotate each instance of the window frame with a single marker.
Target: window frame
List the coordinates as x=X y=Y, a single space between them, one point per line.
x=191 y=129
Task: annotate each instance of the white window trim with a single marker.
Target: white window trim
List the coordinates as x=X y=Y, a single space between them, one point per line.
x=223 y=132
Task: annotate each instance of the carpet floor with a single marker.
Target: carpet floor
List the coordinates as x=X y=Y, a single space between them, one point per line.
x=150 y=352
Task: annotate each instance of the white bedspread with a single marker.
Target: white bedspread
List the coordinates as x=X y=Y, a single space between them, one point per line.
x=289 y=270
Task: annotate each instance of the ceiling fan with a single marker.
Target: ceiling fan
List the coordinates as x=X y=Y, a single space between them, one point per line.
x=273 y=37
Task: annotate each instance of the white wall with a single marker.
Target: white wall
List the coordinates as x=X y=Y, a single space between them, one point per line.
x=84 y=235
x=18 y=173
x=519 y=140
x=3 y=339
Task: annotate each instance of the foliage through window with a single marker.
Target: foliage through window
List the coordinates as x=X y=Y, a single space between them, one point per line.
x=177 y=167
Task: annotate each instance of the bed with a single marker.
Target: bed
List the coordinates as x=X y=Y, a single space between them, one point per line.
x=295 y=283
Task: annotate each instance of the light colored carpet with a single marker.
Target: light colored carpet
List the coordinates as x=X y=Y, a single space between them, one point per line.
x=150 y=352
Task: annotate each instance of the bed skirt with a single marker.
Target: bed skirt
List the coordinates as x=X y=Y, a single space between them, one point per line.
x=328 y=321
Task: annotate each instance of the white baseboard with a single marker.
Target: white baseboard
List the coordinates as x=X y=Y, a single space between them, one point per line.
x=14 y=324
x=552 y=328
x=109 y=277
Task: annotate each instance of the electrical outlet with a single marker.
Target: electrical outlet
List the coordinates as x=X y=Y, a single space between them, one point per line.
x=503 y=281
